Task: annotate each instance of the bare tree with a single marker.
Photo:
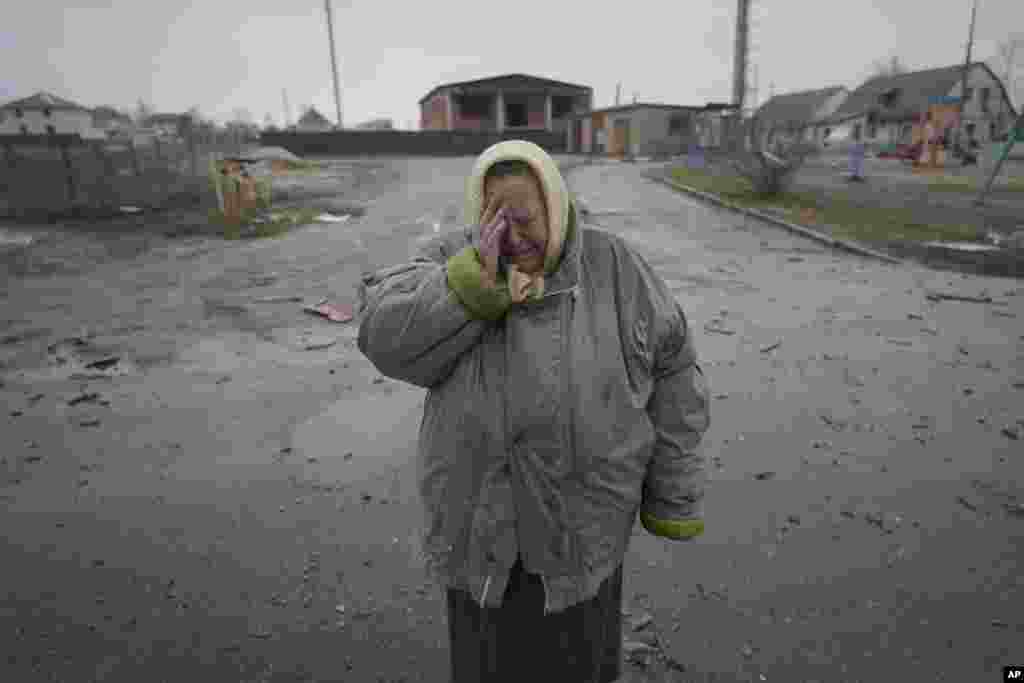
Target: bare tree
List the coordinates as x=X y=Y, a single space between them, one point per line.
x=143 y=110
x=1009 y=56
x=242 y=115
x=769 y=171
x=883 y=68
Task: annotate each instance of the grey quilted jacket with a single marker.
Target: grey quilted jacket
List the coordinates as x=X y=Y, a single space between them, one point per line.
x=544 y=432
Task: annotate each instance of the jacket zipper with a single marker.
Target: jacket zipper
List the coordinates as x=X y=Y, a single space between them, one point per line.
x=483 y=595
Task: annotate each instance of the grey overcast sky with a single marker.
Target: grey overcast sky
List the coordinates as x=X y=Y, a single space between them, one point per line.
x=225 y=55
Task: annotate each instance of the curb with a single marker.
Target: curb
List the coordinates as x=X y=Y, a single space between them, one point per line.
x=834 y=242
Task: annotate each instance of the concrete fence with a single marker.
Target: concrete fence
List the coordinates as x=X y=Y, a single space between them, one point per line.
x=355 y=143
x=58 y=175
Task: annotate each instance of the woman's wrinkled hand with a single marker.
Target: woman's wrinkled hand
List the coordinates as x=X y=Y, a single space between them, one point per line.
x=493 y=229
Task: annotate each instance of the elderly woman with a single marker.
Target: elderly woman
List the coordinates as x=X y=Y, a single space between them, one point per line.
x=564 y=397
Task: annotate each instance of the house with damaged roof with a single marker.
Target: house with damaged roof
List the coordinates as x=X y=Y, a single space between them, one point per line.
x=890 y=109
x=46 y=114
x=795 y=116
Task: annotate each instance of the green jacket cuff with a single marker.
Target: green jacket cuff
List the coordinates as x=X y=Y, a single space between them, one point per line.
x=465 y=278
x=677 y=530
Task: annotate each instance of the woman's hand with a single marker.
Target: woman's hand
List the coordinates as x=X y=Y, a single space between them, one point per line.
x=493 y=228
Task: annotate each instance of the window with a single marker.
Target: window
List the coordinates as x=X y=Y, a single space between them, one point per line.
x=561 y=106
x=515 y=114
x=968 y=94
x=19 y=113
x=678 y=123
x=24 y=129
x=475 y=106
x=828 y=132
x=47 y=112
x=50 y=130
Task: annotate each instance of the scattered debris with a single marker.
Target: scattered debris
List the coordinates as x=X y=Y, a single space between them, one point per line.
x=331 y=218
x=718 y=330
x=764 y=476
x=1004 y=314
x=641 y=622
x=1015 y=509
x=104 y=363
x=285 y=299
x=968 y=503
x=941 y=296
x=131 y=209
x=999 y=623
x=32 y=458
x=332 y=312
x=91 y=397
x=320 y=343
x=771 y=347
x=1012 y=432
x=915 y=316
x=899 y=342
x=89 y=422
x=747 y=651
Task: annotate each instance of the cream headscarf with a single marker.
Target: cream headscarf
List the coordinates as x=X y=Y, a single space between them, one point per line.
x=556 y=194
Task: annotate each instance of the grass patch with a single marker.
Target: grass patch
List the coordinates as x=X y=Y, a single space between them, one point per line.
x=284 y=220
x=943 y=183
x=304 y=166
x=833 y=214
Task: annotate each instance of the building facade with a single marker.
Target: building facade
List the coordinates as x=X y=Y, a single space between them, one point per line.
x=891 y=110
x=634 y=130
x=504 y=103
x=43 y=114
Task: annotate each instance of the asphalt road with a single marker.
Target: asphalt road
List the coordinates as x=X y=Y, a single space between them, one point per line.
x=234 y=506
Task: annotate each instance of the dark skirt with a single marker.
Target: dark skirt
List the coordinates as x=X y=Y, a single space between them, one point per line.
x=518 y=642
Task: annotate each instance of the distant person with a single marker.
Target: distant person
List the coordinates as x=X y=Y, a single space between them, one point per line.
x=565 y=396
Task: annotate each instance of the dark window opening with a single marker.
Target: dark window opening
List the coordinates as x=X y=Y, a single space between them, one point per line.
x=678 y=123
x=24 y=129
x=890 y=97
x=19 y=113
x=475 y=106
x=50 y=130
x=515 y=114
x=561 y=106
x=47 y=112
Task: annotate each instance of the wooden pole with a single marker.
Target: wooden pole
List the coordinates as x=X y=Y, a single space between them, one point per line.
x=69 y=170
x=135 y=158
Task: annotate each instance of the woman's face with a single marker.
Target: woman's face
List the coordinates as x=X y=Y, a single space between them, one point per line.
x=527 y=215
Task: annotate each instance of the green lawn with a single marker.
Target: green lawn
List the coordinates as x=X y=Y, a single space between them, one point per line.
x=835 y=215
x=285 y=220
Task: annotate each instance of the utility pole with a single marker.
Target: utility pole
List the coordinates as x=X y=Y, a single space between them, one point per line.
x=966 y=70
x=287 y=109
x=733 y=132
x=334 y=61
x=618 y=93
x=739 y=69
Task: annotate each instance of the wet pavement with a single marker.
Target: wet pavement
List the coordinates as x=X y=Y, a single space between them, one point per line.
x=198 y=479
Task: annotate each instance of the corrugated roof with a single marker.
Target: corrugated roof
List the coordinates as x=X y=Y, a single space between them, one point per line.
x=43 y=100
x=912 y=93
x=797 y=108
x=482 y=81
